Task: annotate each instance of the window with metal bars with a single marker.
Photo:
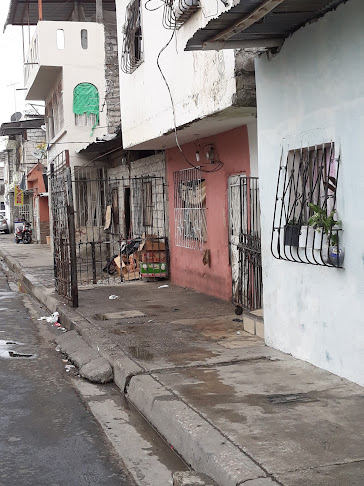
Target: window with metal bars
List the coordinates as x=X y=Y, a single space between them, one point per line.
x=190 y=209
x=305 y=225
x=54 y=112
x=177 y=12
x=132 y=49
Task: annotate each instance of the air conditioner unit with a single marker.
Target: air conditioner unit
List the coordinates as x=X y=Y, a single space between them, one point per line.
x=184 y=9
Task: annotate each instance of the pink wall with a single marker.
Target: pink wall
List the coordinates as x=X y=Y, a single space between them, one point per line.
x=187 y=269
x=36 y=182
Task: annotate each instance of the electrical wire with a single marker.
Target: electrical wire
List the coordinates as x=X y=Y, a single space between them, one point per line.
x=219 y=164
x=152 y=9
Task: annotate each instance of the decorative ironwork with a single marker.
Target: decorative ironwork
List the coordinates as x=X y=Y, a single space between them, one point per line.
x=64 y=250
x=305 y=228
x=245 y=242
x=190 y=208
x=132 y=49
x=177 y=12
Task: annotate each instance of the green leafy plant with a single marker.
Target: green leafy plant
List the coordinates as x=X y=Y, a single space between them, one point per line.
x=293 y=222
x=322 y=222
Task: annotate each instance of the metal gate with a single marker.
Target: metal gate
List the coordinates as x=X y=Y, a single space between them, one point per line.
x=244 y=242
x=64 y=248
x=101 y=224
x=115 y=218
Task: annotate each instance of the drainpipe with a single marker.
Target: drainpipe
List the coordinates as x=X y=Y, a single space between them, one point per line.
x=99 y=15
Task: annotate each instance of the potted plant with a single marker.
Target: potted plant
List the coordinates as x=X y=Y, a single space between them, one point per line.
x=324 y=225
x=292 y=233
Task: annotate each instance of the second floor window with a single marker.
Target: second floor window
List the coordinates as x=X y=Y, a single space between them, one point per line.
x=132 y=49
x=54 y=112
x=86 y=105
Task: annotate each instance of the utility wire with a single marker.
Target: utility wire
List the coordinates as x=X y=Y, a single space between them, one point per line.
x=219 y=164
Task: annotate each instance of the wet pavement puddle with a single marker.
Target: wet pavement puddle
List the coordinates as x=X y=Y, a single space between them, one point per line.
x=7 y=351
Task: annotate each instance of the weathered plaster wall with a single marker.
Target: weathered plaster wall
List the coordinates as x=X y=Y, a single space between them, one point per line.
x=187 y=268
x=312 y=92
x=201 y=83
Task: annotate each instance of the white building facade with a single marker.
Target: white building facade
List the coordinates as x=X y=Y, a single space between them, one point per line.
x=309 y=111
x=311 y=94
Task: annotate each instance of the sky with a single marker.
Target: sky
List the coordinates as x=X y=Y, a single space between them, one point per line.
x=11 y=70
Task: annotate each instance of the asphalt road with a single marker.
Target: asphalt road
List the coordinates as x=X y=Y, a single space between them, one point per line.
x=47 y=435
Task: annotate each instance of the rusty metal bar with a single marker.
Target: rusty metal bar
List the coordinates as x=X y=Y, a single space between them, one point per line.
x=72 y=240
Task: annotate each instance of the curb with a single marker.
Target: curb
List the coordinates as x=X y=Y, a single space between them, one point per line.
x=197 y=441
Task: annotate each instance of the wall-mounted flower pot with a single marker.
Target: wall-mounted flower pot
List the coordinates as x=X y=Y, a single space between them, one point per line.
x=336 y=255
x=291 y=234
x=311 y=238
x=318 y=236
x=306 y=237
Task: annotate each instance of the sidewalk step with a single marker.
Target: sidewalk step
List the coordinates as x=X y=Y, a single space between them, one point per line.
x=253 y=322
x=199 y=443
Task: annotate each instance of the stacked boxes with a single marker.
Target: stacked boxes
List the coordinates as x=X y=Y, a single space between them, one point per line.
x=153 y=258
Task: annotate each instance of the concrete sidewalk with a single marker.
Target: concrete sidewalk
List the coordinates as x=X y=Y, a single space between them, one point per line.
x=233 y=408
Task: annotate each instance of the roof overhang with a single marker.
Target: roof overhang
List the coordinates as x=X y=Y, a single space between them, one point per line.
x=26 y=12
x=104 y=145
x=219 y=122
x=41 y=84
x=17 y=128
x=258 y=23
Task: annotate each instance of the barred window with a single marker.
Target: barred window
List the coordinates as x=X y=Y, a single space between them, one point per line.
x=54 y=112
x=132 y=49
x=305 y=221
x=190 y=209
x=177 y=12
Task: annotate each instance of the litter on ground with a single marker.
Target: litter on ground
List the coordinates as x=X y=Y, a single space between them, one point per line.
x=51 y=319
x=163 y=286
x=112 y=297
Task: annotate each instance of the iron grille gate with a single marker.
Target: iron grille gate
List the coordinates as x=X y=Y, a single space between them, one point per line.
x=115 y=219
x=100 y=226
x=64 y=248
x=244 y=242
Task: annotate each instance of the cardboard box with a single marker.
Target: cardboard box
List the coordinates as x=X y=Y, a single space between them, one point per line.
x=153 y=270
x=153 y=256
x=129 y=267
x=152 y=243
x=131 y=273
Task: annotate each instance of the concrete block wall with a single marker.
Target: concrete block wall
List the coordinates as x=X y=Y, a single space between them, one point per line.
x=245 y=78
x=34 y=137
x=112 y=96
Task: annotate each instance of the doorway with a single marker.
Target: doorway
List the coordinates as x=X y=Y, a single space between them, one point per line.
x=245 y=243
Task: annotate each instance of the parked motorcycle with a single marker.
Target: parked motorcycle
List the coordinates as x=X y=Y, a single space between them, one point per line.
x=23 y=233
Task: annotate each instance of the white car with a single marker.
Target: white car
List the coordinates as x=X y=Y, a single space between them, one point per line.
x=4 y=224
